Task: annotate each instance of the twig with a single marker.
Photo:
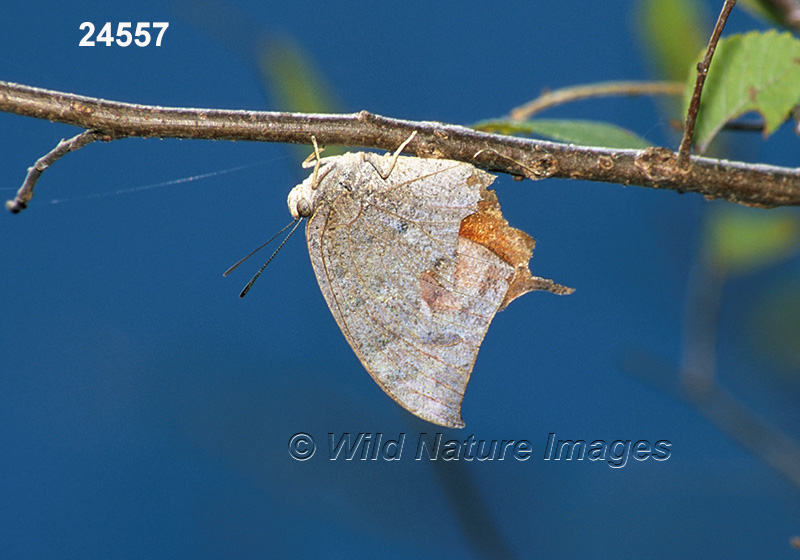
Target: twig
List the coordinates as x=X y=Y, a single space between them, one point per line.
x=740 y=423
x=698 y=374
x=25 y=192
x=701 y=323
x=748 y=184
x=696 y=381
x=732 y=417
x=702 y=72
x=604 y=89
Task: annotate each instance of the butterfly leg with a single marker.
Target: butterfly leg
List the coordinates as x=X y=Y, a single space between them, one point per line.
x=532 y=173
x=315 y=156
x=385 y=176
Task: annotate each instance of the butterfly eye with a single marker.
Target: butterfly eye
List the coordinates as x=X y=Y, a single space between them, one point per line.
x=304 y=209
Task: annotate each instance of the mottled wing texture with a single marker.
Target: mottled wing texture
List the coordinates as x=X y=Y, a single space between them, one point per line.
x=413 y=299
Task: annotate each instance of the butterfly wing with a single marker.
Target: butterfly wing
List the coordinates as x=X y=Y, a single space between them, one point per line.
x=413 y=299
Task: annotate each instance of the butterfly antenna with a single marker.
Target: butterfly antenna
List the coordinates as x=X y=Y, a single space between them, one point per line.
x=270 y=240
x=269 y=260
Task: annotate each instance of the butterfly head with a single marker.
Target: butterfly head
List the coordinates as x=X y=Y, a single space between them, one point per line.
x=301 y=200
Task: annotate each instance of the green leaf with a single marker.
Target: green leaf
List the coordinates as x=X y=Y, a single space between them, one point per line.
x=673 y=32
x=585 y=133
x=296 y=83
x=739 y=240
x=752 y=72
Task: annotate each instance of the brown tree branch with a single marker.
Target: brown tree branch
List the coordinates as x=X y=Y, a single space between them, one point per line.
x=702 y=72
x=748 y=184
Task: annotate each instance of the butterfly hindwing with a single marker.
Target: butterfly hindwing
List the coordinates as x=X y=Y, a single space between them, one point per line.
x=413 y=299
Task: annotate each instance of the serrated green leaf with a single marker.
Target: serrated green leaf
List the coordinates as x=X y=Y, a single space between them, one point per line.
x=585 y=133
x=672 y=31
x=752 y=72
x=739 y=240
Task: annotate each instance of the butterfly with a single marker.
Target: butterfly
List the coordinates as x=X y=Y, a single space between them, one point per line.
x=414 y=263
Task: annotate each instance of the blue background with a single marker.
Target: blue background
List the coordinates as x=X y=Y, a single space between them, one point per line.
x=145 y=409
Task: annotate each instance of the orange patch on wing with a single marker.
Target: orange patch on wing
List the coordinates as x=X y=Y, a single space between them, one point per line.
x=487 y=227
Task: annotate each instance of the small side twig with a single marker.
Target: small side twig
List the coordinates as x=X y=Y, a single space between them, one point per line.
x=590 y=91
x=25 y=192
x=702 y=71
